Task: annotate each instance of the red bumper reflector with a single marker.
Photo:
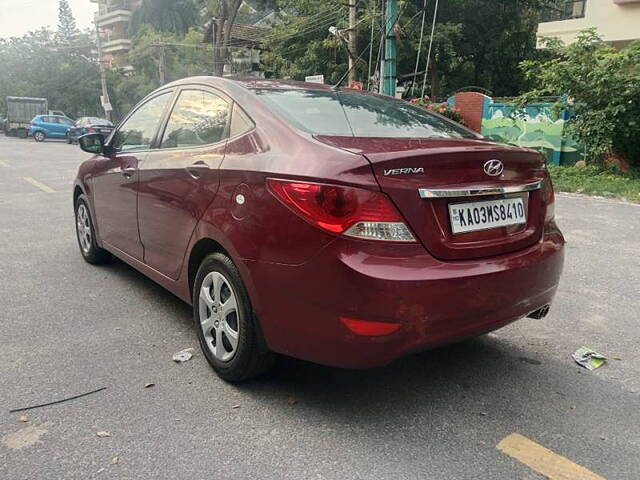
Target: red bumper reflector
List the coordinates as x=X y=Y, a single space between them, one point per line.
x=369 y=329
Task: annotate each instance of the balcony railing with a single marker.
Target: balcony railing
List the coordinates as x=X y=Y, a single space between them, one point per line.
x=116 y=45
x=107 y=7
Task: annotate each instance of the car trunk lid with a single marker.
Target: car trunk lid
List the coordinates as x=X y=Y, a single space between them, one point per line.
x=427 y=178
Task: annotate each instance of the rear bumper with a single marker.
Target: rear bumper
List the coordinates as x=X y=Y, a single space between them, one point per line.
x=435 y=302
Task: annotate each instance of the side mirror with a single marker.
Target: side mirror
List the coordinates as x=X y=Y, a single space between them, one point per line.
x=92 y=143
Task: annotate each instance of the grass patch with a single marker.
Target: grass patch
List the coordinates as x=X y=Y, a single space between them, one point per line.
x=592 y=180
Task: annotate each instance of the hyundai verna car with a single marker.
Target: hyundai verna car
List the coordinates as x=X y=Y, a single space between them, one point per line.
x=335 y=226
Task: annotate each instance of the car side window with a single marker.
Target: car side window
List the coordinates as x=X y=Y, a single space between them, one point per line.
x=198 y=118
x=240 y=122
x=64 y=121
x=137 y=132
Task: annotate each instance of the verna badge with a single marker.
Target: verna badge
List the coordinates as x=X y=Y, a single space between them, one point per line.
x=493 y=168
x=403 y=171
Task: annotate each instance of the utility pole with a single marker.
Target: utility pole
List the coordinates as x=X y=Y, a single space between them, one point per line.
x=213 y=44
x=106 y=102
x=373 y=21
x=390 y=48
x=352 y=42
x=161 y=66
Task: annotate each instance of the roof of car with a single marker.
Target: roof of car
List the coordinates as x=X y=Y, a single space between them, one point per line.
x=252 y=83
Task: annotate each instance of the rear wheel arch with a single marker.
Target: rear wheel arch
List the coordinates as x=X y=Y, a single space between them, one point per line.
x=199 y=252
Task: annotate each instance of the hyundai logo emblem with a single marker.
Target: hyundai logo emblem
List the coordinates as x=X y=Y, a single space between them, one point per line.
x=493 y=168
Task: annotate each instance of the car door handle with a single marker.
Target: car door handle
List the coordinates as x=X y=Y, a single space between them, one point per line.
x=196 y=169
x=129 y=171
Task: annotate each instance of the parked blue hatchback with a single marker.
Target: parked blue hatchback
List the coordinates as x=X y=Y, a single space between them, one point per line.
x=49 y=126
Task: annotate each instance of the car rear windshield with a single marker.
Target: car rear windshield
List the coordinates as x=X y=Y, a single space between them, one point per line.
x=322 y=112
x=99 y=121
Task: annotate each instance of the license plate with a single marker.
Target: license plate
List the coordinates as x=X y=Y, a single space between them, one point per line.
x=105 y=130
x=469 y=217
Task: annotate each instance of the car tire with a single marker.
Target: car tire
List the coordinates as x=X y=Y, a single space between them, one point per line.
x=221 y=311
x=39 y=136
x=85 y=233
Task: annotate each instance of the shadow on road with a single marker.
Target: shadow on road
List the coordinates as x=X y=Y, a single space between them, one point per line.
x=482 y=377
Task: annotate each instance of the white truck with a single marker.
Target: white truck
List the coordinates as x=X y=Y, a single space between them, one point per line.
x=20 y=112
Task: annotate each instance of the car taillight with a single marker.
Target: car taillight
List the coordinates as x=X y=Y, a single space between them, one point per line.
x=350 y=211
x=549 y=199
x=90 y=129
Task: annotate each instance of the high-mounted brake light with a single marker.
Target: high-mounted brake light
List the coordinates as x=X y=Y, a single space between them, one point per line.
x=350 y=211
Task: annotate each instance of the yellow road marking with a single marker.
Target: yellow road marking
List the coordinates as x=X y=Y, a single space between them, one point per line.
x=4 y=164
x=543 y=460
x=41 y=186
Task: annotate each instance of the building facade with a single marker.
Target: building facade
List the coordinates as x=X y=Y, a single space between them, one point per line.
x=112 y=21
x=617 y=21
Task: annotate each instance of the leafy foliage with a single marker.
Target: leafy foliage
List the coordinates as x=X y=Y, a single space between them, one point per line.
x=476 y=42
x=602 y=85
x=597 y=180
x=174 y=16
x=36 y=65
x=443 y=109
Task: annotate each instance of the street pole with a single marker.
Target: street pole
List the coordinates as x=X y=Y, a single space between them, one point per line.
x=352 y=42
x=106 y=102
x=161 y=66
x=390 y=48
x=373 y=20
x=216 y=53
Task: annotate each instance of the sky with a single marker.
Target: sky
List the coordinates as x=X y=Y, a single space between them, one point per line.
x=18 y=17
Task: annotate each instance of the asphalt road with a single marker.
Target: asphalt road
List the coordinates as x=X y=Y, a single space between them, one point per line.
x=68 y=328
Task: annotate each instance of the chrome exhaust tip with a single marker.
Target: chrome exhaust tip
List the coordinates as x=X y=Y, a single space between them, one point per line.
x=539 y=313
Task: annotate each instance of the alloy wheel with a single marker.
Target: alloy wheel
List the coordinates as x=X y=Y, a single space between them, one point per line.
x=83 y=227
x=218 y=314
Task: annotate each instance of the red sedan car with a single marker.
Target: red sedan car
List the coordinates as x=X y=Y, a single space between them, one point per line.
x=331 y=225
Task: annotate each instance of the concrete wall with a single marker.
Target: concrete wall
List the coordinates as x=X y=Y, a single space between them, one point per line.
x=618 y=22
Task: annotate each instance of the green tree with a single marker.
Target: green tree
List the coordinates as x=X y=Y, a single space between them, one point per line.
x=476 y=42
x=36 y=66
x=602 y=86
x=301 y=44
x=67 y=29
x=171 y=16
x=223 y=15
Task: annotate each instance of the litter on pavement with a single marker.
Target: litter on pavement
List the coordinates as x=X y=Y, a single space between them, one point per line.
x=588 y=358
x=183 y=355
